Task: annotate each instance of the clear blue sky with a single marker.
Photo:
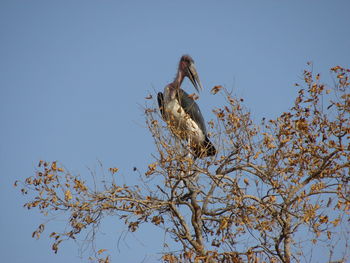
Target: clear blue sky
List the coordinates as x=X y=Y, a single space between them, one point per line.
x=73 y=75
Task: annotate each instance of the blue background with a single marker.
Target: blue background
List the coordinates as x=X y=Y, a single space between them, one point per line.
x=74 y=75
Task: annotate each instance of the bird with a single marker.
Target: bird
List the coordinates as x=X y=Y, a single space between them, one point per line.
x=182 y=114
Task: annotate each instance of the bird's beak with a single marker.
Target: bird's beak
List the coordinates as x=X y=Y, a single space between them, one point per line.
x=193 y=76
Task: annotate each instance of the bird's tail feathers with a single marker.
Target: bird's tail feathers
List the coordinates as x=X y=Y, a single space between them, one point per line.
x=205 y=149
x=209 y=147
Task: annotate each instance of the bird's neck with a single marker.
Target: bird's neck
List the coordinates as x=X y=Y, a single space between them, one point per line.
x=179 y=78
x=175 y=85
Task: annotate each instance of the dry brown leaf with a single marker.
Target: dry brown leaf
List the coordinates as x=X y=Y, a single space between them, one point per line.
x=67 y=195
x=101 y=251
x=216 y=89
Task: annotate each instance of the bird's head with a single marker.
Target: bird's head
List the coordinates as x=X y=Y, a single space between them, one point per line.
x=187 y=67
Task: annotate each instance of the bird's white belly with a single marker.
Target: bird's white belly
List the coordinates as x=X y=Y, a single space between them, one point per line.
x=181 y=123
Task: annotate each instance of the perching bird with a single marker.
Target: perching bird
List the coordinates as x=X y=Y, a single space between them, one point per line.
x=182 y=113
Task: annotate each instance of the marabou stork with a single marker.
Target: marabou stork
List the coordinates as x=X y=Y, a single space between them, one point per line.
x=182 y=113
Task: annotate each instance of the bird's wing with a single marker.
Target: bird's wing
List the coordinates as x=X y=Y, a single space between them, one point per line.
x=160 y=99
x=191 y=108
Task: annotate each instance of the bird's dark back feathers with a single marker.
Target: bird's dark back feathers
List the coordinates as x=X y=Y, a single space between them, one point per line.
x=191 y=108
x=160 y=99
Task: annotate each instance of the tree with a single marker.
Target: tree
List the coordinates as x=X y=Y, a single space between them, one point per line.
x=274 y=190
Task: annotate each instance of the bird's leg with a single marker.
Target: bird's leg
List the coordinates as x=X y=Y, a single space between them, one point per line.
x=187 y=180
x=187 y=147
x=189 y=155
